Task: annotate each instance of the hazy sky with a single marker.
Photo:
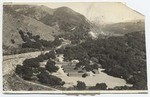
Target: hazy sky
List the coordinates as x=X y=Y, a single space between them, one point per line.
x=101 y=12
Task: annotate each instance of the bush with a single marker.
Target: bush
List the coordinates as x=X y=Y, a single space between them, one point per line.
x=81 y=85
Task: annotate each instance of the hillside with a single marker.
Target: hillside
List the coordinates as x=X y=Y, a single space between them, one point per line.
x=52 y=17
x=48 y=23
x=38 y=20
x=124 y=27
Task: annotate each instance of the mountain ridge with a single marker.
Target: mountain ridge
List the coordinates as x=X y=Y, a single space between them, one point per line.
x=34 y=19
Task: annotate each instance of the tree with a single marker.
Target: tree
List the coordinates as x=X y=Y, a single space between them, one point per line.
x=41 y=69
x=81 y=85
x=50 y=80
x=84 y=75
x=12 y=41
x=101 y=86
x=22 y=35
x=57 y=42
x=47 y=56
x=50 y=66
x=24 y=72
x=83 y=63
x=19 y=69
x=50 y=62
x=52 y=54
x=95 y=60
x=33 y=62
x=60 y=51
x=88 y=68
x=95 y=66
x=40 y=58
x=44 y=78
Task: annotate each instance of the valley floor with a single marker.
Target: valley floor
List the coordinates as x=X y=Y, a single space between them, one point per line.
x=12 y=82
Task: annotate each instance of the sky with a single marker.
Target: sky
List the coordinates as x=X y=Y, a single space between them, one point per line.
x=100 y=12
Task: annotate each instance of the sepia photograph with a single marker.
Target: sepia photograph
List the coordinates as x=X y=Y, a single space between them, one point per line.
x=73 y=47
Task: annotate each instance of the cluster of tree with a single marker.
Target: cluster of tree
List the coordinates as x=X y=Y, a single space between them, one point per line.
x=27 y=69
x=75 y=52
x=46 y=56
x=85 y=64
x=120 y=56
x=31 y=67
x=24 y=72
x=77 y=34
x=82 y=86
x=50 y=80
x=34 y=41
x=33 y=62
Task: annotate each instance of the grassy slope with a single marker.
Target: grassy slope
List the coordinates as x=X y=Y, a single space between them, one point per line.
x=11 y=24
